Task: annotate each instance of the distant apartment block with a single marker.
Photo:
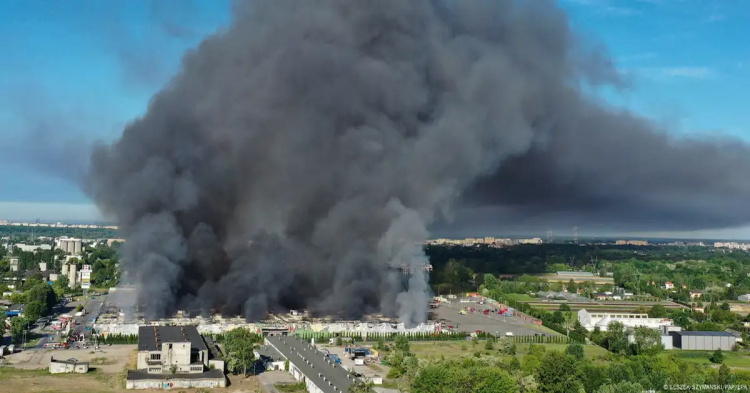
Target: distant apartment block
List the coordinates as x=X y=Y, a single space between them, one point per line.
x=733 y=245
x=490 y=241
x=631 y=243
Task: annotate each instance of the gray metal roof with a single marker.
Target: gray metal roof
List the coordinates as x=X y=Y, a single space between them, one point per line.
x=67 y=361
x=150 y=338
x=267 y=351
x=696 y=333
x=314 y=364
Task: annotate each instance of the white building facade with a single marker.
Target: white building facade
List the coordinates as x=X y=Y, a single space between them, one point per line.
x=590 y=321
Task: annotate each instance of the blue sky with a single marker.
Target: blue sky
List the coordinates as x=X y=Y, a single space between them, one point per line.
x=75 y=72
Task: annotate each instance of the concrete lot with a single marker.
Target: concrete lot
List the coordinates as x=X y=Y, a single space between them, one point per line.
x=492 y=323
x=268 y=378
x=110 y=359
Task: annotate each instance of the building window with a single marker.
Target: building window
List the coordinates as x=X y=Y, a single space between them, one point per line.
x=198 y=368
x=154 y=369
x=155 y=356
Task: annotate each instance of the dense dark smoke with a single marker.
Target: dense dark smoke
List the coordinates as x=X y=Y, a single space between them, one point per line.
x=298 y=158
x=611 y=171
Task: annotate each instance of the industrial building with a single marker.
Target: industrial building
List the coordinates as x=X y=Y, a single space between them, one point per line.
x=703 y=341
x=590 y=321
x=70 y=246
x=174 y=356
x=57 y=366
x=271 y=359
x=317 y=371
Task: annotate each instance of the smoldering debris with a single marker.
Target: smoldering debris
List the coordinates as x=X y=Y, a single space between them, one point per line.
x=299 y=157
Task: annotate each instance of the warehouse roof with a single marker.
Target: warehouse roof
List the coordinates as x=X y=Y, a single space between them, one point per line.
x=268 y=352
x=315 y=365
x=150 y=338
x=712 y=334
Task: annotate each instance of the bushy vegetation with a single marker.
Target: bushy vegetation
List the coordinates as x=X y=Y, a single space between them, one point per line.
x=553 y=371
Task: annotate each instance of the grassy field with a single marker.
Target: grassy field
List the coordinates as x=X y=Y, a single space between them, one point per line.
x=41 y=381
x=451 y=349
x=290 y=387
x=731 y=359
x=520 y=297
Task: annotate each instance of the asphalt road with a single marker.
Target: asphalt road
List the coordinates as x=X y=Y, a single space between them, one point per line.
x=79 y=324
x=92 y=308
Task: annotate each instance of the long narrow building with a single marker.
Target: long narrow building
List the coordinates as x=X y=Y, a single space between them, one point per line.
x=308 y=365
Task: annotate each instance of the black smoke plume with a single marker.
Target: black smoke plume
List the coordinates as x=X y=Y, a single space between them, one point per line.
x=299 y=157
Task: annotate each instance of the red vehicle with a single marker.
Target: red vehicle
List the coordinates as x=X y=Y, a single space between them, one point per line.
x=486 y=312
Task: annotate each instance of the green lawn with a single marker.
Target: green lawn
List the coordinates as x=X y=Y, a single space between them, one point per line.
x=731 y=359
x=453 y=349
x=290 y=387
x=519 y=297
x=10 y=372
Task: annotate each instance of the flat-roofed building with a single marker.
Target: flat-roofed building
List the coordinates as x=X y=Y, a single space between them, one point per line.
x=57 y=366
x=703 y=341
x=164 y=349
x=174 y=357
x=590 y=321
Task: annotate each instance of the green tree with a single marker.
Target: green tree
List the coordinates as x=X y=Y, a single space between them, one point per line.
x=597 y=336
x=467 y=376
x=34 y=310
x=725 y=376
x=646 y=341
x=380 y=346
x=717 y=356
x=488 y=345
x=17 y=327
x=490 y=282
x=60 y=287
x=657 y=311
x=33 y=280
x=558 y=317
x=361 y=387
x=621 y=387
x=401 y=343
x=615 y=338
x=576 y=350
x=239 y=344
x=557 y=373
x=564 y=307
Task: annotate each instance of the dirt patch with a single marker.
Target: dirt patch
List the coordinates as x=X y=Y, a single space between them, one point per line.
x=110 y=360
x=27 y=372
x=38 y=381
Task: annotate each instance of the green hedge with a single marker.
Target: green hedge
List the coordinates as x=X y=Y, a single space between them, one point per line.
x=118 y=339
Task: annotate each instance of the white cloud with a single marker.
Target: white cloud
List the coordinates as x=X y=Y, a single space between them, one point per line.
x=715 y=18
x=678 y=72
x=620 y=11
x=689 y=72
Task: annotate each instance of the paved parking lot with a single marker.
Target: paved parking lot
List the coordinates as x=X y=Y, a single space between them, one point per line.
x=492 y=323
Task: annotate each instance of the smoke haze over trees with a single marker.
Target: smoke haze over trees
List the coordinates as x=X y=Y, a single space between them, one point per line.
x=299 y=157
